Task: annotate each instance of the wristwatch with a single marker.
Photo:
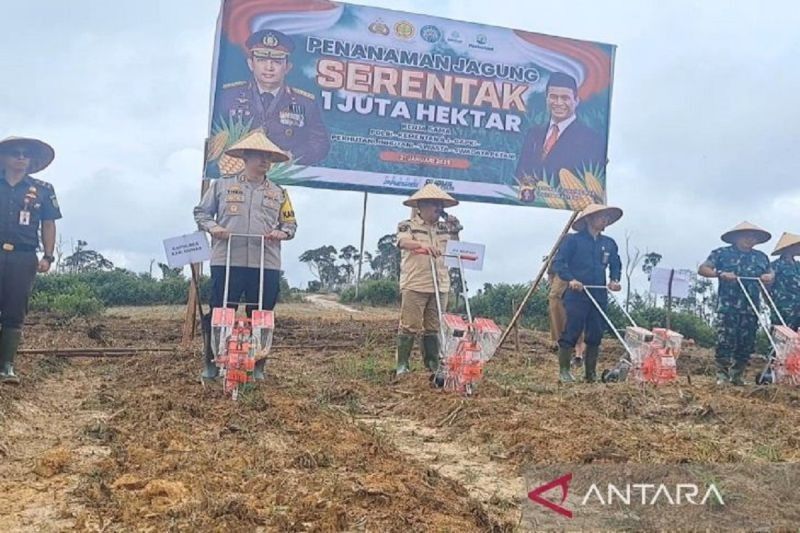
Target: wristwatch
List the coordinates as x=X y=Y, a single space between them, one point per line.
x=50 y=259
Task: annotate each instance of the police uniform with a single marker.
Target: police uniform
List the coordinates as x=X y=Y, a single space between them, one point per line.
x=290 y=117
x=585 y=258
x=241 y=206
x=23 y=208
x=418 y=308
x=736 y=322
x=785 y=290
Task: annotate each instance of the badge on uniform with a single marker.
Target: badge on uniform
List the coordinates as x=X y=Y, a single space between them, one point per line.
x=289 y=118
x=24 y=218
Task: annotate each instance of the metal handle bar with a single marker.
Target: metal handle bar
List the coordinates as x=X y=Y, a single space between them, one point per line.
x=769 y=297
x=764 y=327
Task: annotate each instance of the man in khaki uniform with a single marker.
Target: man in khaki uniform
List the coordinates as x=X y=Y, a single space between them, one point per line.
x=420 y=238
x=246 y=203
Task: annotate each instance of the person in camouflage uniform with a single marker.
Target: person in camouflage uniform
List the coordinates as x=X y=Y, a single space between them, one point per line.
x=786 y=289
x=736 y=322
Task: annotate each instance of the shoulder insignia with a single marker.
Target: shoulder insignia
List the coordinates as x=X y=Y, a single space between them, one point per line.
x=234 y=84
x=404 y=226
x=41 y=183
x=301 y=92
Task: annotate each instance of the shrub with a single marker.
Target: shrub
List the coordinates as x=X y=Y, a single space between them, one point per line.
x=373 y=292
x=79 y=300
x=494 y=301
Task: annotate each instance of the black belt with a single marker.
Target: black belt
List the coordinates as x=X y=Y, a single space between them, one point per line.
x=11 y=247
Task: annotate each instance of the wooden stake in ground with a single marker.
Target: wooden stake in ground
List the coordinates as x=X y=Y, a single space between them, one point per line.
x=193 y=298
x=538 y=280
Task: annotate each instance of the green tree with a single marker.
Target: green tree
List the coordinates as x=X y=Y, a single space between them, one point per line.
x=322 y=264
x=84 y=259
x=385 y=263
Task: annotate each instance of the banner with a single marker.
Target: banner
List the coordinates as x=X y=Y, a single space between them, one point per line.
x=369 y=99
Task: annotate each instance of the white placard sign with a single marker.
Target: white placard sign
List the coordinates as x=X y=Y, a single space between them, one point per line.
x=187 y=249
x=471 y=255
x=659 y=282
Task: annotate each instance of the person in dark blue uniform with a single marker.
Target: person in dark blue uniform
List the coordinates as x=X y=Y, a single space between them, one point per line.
x=583 y=259
x=290 y=117
x=26 y=204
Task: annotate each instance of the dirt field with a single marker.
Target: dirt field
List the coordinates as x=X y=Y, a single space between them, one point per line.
x=330 y=441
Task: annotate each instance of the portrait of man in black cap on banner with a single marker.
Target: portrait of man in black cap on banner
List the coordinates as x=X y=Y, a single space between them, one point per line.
x=290 y=117
x=562 y=142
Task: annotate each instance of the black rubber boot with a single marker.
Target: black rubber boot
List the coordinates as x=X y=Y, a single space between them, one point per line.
x=430 y=351
x=737 y=373
x=210 y=369
x=9 y=343
x=258 y=372
x=405 y=343
x=590 y=363
x=723 y=371
x=564 y=359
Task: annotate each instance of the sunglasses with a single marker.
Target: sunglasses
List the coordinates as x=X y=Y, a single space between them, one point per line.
x=19 y=153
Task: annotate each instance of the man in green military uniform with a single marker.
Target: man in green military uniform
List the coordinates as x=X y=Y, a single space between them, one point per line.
x=736 y=322
x=786 y=289
x=421 y=237
x=26 y=205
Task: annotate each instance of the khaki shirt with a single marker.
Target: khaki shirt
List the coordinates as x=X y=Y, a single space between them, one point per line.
x=415 y=269
x=241 y=206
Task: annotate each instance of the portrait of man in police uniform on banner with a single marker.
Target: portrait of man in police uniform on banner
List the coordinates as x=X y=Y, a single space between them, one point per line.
x=290 y=117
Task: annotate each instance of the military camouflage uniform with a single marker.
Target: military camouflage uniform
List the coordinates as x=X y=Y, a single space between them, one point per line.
x=786 y=289
x=736 y=323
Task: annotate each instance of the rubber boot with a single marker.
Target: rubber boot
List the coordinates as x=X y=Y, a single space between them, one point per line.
x=723 y=376
x=210 y=369
x=737 y=373
x=9 y=343
x=564 y=359
x=258 y=372
x=590 y=363
x=405 y=343
x=430 y=351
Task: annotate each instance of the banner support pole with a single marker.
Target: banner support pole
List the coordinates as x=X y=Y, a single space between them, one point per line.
x=361 y=247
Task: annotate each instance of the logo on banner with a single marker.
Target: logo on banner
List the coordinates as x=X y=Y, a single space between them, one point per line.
x=481 y=39
x=404 y=29
x=481 y=42
x=379 y=27
x=430 y=33
x=455 y=37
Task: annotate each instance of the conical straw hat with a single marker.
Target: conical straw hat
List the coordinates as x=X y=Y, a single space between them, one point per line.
x=730 y=235
x=257 y=141
x=43 y=152
x=431 y=192
x=615 y=214
x=786 y=241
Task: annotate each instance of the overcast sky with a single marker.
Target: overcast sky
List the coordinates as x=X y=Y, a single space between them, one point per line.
x=704 y=124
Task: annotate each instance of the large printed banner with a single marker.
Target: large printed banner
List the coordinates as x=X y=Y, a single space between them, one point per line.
x=369 y=99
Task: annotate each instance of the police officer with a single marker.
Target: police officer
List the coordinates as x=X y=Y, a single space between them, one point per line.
x=26 y=204
x=421 y=237
x=786 y=289
x=289 y=116
x=583 y=259
x=246 y=203
x=736 y=322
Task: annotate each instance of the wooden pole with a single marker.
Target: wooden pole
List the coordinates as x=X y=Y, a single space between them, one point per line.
x=538 y=280
x=361 y=247
x=516 y=329
x=193 y=299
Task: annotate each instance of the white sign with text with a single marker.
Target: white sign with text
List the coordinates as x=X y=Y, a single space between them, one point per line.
x=187 y=249
x=471 y=255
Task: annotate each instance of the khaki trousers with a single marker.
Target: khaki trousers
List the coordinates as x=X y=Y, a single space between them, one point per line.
x=418 y=312
x=558 y=315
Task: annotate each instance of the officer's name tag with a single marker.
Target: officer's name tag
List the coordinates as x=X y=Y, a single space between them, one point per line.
x=25 y=218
